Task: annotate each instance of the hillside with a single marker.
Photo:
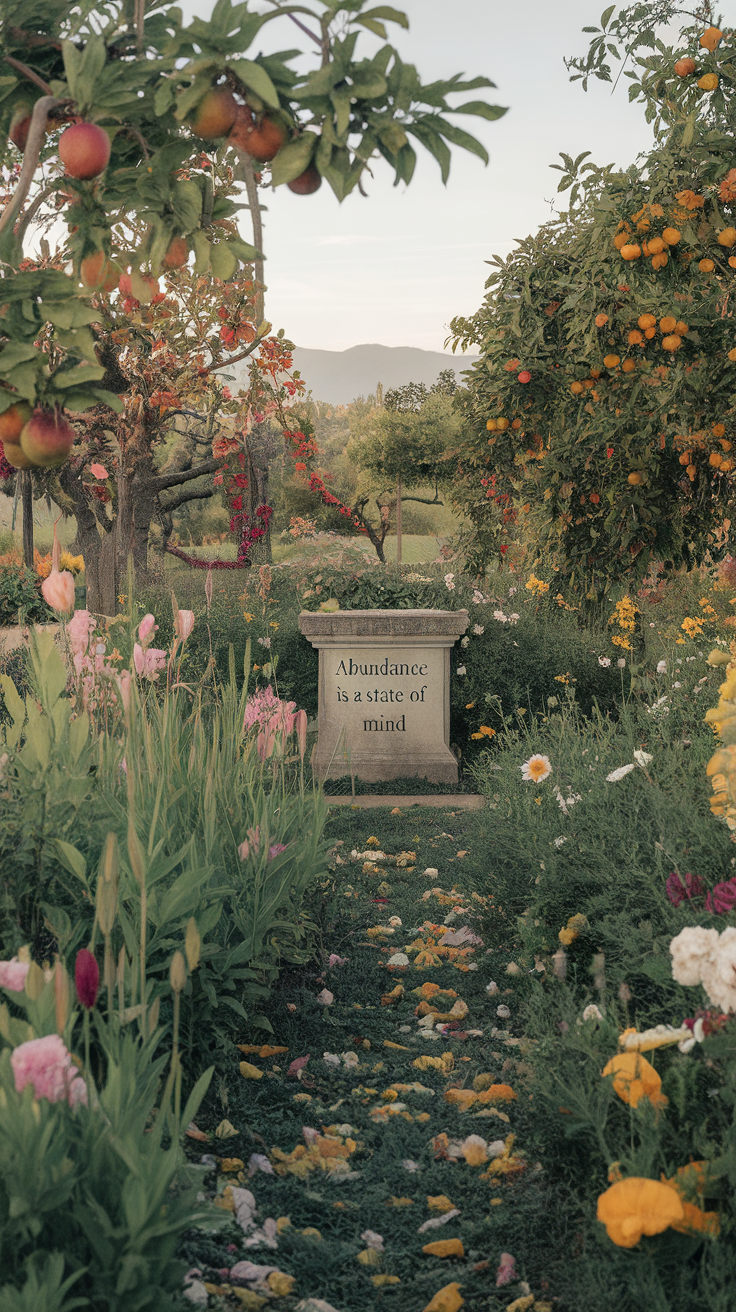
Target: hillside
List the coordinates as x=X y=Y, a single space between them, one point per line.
x=341 y=376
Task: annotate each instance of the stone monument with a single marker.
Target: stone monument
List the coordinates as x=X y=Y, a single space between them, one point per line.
x=384 y=692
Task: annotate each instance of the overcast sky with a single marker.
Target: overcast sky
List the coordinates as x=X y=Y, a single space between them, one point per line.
x=397 y=267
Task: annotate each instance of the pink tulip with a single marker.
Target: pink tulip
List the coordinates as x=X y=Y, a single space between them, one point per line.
x=47 y=1065
x=146 y=630
x=301 y=732
x=13 y=975
x=86 y=978
x=184 y=624
x=58 y=591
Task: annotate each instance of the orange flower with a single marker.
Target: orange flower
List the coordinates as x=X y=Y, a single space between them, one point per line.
x=727 y=189
x=690 y=200
x=497 y=1093
x=634 y=1207
x=635 y=1078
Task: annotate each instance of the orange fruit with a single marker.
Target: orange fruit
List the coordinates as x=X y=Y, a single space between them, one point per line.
x=691 y=472
x=588 y=384
x=631 y=251
x=620 y=240
x=645 y=248
x=610 y=361
x=650 y=333
x=715 y=459
x=516 y=423
x=667 y=323
x=628 y=366
x=727 y=237
x=646 y=321
x=708 y=82
x=635 y=479
x=686 y=457
x=576 y=388
x=601 y=320
x=656 y=246
x=684 y=67
x=491 y=425
x=711 y=38
x=725 y=444
x=732 y=355
x=594 y=497
x=502 y=425
x=727 y=466
x=681 y=327
x=659 y=261
x=706 y=266
x=718 y=430
x=671 y=342
x=635 y=338
x=732 y=261
x=671 y=236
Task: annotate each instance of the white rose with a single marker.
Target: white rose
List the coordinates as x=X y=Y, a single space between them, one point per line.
x=691 y=951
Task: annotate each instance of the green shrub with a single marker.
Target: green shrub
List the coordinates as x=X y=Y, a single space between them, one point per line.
x=20 y=591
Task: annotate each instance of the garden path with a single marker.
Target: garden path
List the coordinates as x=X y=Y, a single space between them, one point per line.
x=376 y=1156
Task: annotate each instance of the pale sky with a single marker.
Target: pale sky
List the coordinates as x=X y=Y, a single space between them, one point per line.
x=397 y=267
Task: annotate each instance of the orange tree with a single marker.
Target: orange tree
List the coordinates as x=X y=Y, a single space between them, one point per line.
x=123 y=119
x=599 y=419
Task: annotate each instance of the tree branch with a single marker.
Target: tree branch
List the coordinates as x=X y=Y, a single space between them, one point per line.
x=28 y=73
x=34 y=143
x=195 y=494
x=163 y=481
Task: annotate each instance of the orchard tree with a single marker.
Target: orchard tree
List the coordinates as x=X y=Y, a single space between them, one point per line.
x=601 y=413
x=123 y=119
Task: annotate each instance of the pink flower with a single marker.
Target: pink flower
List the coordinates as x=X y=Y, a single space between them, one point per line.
x=722 y=898
x=677 y=890
x=183 y=624
x=506 y=1271
x=276 y=849
x=251 y=843
x=86 y=978
x=146 y=630
x=99 y=471
x=336 y=961
x=124 y=682
x=148 y=661
x=58 y=591
x=47 y=1065
x=13 y=975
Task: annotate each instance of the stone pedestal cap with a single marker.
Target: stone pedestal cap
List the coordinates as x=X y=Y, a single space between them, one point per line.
x=324 y=628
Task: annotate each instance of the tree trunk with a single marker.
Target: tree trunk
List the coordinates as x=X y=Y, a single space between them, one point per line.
x=100 y=560
x=258 y=470
x=398 y=522
x=25 y=477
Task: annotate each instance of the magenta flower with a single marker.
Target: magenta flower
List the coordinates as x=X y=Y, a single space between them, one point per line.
x=677 y=891
x=47 y=1065
x=276 y=849
x=13 y=975
x=86 y=978
x=722 y=898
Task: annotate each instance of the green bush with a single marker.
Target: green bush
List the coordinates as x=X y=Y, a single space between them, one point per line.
x=20 y=591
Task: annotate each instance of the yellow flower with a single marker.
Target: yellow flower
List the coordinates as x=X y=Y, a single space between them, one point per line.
x=247 y=617
x=273 y=624
x=634 y=1207
x=635 y=1078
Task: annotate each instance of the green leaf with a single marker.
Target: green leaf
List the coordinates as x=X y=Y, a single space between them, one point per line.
x=71 y=859
x=223 y=260
x=481 y=109
x=320 y=84
x=186 y=204
x=244 y=251
x=82 y=373
x=459 y=138
x=79 y=399
x=201 y=248
x=293 y=158
x=434 y=144
x=387 y=12
x=255 y=78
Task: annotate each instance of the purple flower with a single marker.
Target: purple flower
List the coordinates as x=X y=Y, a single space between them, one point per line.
x=275 y=849
x=722 y=898
x=677 y=891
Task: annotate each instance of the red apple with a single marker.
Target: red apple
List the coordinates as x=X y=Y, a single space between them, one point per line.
x=260 y=141
x=307 y=183
x=47 y=438
x=177 y=254
x=13 y=420
x=215 y=113
x=99 y=274
x=84 y=150
x=20 y=125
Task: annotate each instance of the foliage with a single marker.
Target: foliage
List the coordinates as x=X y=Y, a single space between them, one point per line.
x=20 y=591
x=609 y=431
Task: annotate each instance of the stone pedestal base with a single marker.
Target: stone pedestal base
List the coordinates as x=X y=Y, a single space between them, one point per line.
x=384 y=692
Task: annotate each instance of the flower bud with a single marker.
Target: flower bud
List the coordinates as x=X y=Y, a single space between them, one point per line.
x=177 y=972
x=61 y=996
x=300 y=724
x=34 y=982
x=58 y=591
x=183 y=624
x=153 y=1012
x=135 y=854
x=86 y=978
x=192 y=944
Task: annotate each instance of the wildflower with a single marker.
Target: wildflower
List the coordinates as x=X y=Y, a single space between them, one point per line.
x=560 y=841
x=692 y=950
x=148 y=661
x=13 y=974
x=643 y=759
x=659 y=1036
x=619 y=773
x=464 y=642
x=449 y=584
x=146 y=630
x=621 y=663
x=506 y=1270
x=461 y=669
x=692 y=627
x=47 y=1066
x=536 y=769
x=718 y=972
x=247 y=617
x=86 y=978
x=276 y=849
x=592 y=1012
x=264 y=642
x=722 y=897
x=183 y=624
x=634 y=1207
x=677 y=891
x=478 y=629
x=499 y=615
x=605 y=661
x=634 y=1078
x=513 y=617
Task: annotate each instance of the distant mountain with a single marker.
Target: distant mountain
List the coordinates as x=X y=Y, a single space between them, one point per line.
x=340 y=376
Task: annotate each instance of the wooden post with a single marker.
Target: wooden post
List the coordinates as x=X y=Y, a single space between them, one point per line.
x=26 y=495
x=398 y=522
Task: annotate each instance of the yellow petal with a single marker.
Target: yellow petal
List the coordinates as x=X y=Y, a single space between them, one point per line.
x=447 y=1299
x=445 y=1248
x=383 y=1279
x=280 y=1283
x=439 y=1203
x=250 y=1072
x=368 y=1257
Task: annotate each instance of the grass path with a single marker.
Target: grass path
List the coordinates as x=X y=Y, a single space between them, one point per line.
x=373 y=1134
